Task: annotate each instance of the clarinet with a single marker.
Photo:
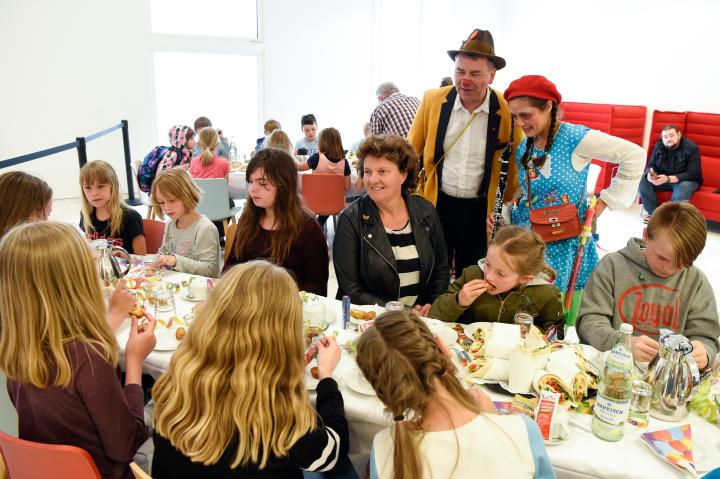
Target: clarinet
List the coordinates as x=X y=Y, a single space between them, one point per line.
x=502 y=185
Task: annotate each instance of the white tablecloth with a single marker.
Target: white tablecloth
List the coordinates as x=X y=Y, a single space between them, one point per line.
x=582 y=456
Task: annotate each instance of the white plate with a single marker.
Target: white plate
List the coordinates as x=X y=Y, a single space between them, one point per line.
x=372 y=307
x=194 y=299
x=165 y=337
x=706 y=451
x=446 y=334
x=355 y=380
x=310 y=382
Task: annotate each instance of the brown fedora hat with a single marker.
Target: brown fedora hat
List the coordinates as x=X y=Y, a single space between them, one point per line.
x=479 y=43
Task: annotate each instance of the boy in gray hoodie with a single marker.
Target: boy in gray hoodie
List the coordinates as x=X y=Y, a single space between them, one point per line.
x=652 y=284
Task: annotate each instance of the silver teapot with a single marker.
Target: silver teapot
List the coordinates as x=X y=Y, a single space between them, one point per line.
x=109 y=268
x=673 y=375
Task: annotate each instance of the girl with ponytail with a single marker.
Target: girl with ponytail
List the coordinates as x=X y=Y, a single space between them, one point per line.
x=208 y=164
x=441 y=430
x=513 y=277
x=553 y=163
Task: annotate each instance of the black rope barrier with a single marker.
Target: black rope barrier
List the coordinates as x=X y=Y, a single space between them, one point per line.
x=80 y=144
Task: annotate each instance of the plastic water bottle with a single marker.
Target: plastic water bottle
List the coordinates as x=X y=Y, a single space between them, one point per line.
x=615 y=389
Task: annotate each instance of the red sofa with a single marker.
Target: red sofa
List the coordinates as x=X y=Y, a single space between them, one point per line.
x=624 y=121
x=703 y=129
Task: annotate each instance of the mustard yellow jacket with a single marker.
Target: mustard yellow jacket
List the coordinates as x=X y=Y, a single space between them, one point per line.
x=427 y=136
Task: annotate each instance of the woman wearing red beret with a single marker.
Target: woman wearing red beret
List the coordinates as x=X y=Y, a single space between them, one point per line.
x=556 y=157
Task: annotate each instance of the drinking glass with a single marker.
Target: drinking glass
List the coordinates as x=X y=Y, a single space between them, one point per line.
x=524 y=320
x=639 y=405
x=394 y=306
x=164 y=301
x=150 y=268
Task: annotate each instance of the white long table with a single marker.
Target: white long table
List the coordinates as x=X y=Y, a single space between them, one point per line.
x=582 y=456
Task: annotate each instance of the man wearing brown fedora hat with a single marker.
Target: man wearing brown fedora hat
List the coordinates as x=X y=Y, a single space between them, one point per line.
x=460 y=132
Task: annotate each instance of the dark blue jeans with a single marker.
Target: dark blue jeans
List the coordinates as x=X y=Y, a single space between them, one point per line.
x=680 y=192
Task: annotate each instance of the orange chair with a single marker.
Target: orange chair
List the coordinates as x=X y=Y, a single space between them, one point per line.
x=27 y=459
x=324 y=194
x=154 y=232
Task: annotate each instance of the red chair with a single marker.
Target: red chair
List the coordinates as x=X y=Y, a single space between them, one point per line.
x=27 y=459
x=324 y=194
x=154 y=232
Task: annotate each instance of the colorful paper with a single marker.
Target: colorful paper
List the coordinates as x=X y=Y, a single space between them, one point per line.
x=674 y=445
x=504 y=407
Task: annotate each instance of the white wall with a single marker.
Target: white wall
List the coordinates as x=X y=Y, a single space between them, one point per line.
x=70 y=69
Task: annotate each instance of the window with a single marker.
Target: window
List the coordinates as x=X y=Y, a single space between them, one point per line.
x=221 y=87
x=220 y=18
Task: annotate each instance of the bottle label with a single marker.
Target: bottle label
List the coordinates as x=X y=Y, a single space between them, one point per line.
x=611 y=411
x=620 y=359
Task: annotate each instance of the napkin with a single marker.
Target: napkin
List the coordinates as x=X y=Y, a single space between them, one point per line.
x=674 y=445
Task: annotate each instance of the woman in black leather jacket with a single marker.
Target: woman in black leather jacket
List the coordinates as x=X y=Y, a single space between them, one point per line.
x=389 y=245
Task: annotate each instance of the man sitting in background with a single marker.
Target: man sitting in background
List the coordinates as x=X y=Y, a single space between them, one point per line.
x=395 y=113
x=309 y=141
x=268 y=128
x=674 y=166
x=222 y=150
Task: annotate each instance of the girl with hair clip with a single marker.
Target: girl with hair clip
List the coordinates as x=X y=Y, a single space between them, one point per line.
x=23 y=197
x=441 y=430
x=275 y=226
x=190 y=243
x=103 y=215
x=223 y=409
x=182 y=143
x=513 y=277
x=553 y=162
x=59 y=353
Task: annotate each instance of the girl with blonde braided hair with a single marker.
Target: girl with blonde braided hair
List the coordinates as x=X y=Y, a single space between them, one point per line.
x=441 y=430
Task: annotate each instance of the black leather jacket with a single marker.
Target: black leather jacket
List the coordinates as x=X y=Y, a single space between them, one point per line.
x=365 y=265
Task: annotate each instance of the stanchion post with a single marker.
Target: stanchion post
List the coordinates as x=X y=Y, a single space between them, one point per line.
x=128 y=166
x=82 y=150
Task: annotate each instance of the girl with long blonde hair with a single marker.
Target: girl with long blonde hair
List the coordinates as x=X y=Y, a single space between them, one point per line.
x=104 y=216
x=512 y=277
x=233 y=402
x=441 y=430
x=59 y=353
x=23 y=197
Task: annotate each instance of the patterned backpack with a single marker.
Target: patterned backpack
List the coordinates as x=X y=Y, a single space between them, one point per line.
x=149 y=166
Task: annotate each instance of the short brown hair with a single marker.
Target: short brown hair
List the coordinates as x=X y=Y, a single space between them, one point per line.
x=330 y=144
x=684 y=226
x=176 y=182
x=271 y=125
x=21 y=195
x=395 y=149
x=670 y=127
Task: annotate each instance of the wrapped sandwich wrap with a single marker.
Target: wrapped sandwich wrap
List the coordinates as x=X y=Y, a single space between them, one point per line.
x=489 y=369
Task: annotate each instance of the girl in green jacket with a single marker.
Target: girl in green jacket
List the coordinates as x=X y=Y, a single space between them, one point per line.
x=513 y=277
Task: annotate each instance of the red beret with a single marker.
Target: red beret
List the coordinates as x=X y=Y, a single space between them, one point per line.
x=536 y=86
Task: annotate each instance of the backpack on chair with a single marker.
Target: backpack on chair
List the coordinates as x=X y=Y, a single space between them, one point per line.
x=149 y=166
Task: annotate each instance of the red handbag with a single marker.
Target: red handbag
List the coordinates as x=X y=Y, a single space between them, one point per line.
x=554 y=223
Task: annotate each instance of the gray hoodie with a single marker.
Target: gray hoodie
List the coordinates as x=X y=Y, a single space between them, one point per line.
x=623 y=289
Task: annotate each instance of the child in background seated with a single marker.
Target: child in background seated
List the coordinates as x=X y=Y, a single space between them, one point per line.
x=440 y=428
x=223 y=150
x=59 y=352
x=269 y=127
x=309 y=142
x=208 y=164
x=513 y=277
x=233 y=402
x=191 y=243
x=103 y=213
x=182 y=141
x=279 y=140
x=23 y=197
x=652 y=284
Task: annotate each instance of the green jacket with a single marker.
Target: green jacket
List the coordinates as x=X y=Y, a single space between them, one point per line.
x=539 y=298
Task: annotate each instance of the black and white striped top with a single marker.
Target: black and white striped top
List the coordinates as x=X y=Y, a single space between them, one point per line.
x=403 y=247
